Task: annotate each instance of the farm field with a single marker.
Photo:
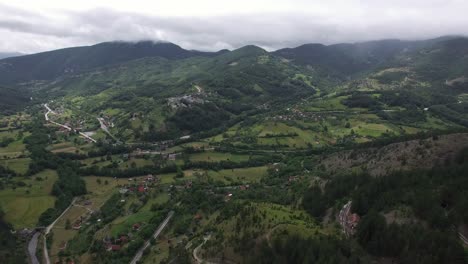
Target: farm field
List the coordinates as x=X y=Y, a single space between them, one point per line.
x=24 y=205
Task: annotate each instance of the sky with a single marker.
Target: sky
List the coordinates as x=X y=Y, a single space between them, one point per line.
x=30 y=26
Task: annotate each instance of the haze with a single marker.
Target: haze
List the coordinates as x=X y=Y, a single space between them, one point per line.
x=32 y=26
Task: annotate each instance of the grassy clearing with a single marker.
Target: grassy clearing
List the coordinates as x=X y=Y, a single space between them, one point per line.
x=123 y=224
x=244 y=175
x=99 y=193
x=60 y=235
x=327 y=104
x=67 y=147
x=23 y=209
x=18 y=165
x=17 y=145
x=158 y=252
x=211 y=156
x=271 y=220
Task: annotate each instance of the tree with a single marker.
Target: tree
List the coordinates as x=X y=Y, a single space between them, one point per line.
x=180 y=172
x=67 y=224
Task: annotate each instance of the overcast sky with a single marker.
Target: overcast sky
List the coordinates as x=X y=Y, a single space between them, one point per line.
x=30 y=26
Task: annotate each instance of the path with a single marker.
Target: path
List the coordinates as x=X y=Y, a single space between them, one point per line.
x=32 y=246
x=197 y=258
x=158 y=231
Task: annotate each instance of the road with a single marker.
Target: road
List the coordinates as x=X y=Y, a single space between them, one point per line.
x=48 y=228
x=32 y=246
x=158 y=231
x=463 y=238
x=197 y=258
x=342 y=217
x=105 y=128
x=46 y=116
x=48 y=112
x=199 y=89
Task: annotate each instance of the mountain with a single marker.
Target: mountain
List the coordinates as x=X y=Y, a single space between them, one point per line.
x=345 y=60
x=305 y=155
x=4 y=55
x=52 y=64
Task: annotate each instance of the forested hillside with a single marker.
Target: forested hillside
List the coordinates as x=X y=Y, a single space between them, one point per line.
x=346 y=153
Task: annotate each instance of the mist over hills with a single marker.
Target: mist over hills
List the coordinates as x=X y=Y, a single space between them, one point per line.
x=341 y=60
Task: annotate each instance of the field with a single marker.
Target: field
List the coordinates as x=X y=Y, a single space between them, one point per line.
x=22 y=208
x=210 y=156
x=18 y=165
x=243 y=175
x=98 y=193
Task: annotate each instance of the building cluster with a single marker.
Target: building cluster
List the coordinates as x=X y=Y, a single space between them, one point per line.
x=115 y=244
x=141 y=187
x=107 y=120
x=184 y=101
x=296 y=114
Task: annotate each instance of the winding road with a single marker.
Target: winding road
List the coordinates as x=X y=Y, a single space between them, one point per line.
x=197 y=258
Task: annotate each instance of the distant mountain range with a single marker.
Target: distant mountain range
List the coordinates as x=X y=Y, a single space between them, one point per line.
x=51 y=64
x=339 y=60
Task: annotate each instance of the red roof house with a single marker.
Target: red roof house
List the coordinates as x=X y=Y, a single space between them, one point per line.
x=114 y=248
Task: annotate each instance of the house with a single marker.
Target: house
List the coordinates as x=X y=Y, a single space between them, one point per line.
x=150 y=178
x=228 y=197
x=77 y=225
x=198 y=217
x=136 y=227
x=172 y=157
x=123 y=239
x=62 y=245
x=244 y=187
x=188 y=184
x=113 y=248
x=141 y=189
x=353 y=220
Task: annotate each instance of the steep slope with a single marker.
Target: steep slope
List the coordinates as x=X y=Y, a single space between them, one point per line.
x=52 y=64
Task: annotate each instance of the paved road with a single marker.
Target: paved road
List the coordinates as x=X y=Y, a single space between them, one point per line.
x=158 y=231
x=32 y=246
x=48 y=228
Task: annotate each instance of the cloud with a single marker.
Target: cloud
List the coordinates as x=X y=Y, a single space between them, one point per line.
x=283 y=24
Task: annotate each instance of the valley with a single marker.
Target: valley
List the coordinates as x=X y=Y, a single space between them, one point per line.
x=242 y=156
